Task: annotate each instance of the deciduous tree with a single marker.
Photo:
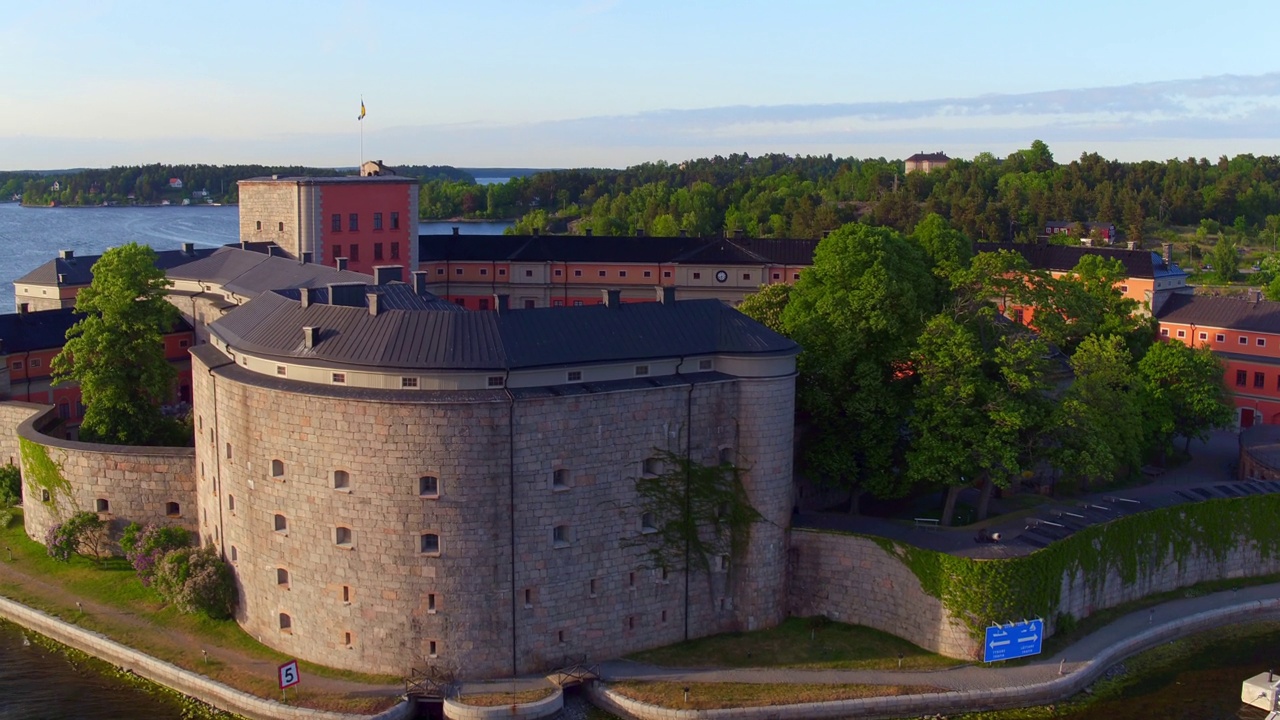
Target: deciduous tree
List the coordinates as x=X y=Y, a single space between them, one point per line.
x=116 y=350
x=1185 y=392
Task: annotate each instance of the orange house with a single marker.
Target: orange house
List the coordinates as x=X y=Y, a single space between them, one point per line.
x=30 y=340
x=1245 y=334
x=567 y=270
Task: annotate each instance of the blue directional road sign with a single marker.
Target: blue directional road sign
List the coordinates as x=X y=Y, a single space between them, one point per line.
x=1012 y=641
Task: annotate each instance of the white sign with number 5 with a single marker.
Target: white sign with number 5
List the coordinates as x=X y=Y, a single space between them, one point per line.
x=289 y=674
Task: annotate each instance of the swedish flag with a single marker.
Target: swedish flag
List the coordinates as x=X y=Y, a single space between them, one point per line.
x=361 y=109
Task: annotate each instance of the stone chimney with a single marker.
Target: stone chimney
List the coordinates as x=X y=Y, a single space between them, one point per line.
x=612 y=298
x=588 y=232
x=310 y=336
x=350 y=294
x=68 y=255
x=639 y=232
x=371 y=298
x=502 y=304
x=455 y=230
x=1168 y=255
x=739 y=233
x=340 y=263
x=383 y=274
x=1131 y=244
x=305 y=296
x=419 y=282
x=306 y=258
x=188 y=248
x=666 y=294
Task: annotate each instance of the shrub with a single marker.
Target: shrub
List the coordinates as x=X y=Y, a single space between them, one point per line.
x=82 y=534
x=196 y=580
x=144 y=546
x=10 y=486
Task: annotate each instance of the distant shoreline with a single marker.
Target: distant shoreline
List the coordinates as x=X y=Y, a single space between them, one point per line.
x=130 y=205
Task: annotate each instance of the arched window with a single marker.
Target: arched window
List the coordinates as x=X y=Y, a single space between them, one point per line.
x=281 y=524
x=282 y=576
x=429 y=543
x=342 y=536
x=286 y=622
x=173 y=509
x=101 y=505
x=341 y=480
x=277 y=468
x=647 y=523
x=429 y=486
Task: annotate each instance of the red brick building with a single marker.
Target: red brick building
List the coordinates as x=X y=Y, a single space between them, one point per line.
x=1245 y=333
x=368 y=220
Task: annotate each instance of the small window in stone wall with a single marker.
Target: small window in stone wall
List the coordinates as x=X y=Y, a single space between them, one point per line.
x=231 y=504
x=346 y=639
x=648 y=524
x=44 y=495
x=173 y=509
x=704 y=364
x=281 y=524
x=560 y=636
x=429 y=486
x=431 y=648
x=591 y=587
x=431 y=603
x=282 y=576
x=341 y=480
x=346 y=594
x=101 y=505
x=560 y=536
x=653 y=466
x=528 y=597
x=560 y=479
x=342 y=536
x=726 y=456
x=277 y=468
x=286 y=623
x=235 y=555
x=664 y=617
x=722 y=563
x=429 y=543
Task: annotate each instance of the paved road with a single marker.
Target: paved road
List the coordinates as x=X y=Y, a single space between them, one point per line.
x=965 y=677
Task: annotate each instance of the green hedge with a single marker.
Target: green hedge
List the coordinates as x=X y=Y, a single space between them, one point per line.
x=981 y=592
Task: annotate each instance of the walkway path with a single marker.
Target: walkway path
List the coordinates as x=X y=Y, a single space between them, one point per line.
x=966 y=677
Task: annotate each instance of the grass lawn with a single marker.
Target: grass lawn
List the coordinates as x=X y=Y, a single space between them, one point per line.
x=802 y=643
x=147 y=623
x=710 y=696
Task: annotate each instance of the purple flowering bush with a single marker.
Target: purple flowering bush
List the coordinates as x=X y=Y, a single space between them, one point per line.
x=144 y=546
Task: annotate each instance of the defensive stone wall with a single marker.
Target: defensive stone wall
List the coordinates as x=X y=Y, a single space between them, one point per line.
x=852 y=579
x=547 y=707
x=534 y=548
x=137 y=484
x=13 y=414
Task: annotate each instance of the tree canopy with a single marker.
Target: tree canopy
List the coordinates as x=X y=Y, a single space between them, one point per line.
x=116 y=350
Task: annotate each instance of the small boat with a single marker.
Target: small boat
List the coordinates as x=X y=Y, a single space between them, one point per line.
x=1260 y=692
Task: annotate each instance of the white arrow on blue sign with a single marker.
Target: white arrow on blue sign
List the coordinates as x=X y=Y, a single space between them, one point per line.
x=1012 y=641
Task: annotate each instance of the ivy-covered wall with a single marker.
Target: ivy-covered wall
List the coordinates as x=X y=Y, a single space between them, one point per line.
x=942 y=602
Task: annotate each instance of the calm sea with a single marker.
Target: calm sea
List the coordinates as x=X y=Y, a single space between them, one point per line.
x=36 y=684
x=31 y=237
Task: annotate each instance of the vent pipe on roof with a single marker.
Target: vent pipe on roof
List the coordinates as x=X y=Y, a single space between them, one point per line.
x=61 y=278
x=23 y=308
x=372 y=300
x=588 y=232
x=639 y=232
x=612 y=298
x=310 y=336
x=383 y=274
x=244 y=244
x=1131 y=244
x=67 y=254
x=306 y=258
x=188 y=248
x=535 y=232
x=305 y=296
x=502 y=304
x=340 y=263
x=419 y=282
x=272 y=251
x=1168 y=255
x=455 y=230
x=666 y=294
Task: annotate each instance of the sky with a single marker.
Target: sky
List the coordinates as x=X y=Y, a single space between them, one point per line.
x=612 y=83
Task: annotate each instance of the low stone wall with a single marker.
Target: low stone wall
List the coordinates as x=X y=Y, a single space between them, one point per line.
x=139 y=484
x=13 y=414
x=184 y=681
x=954 y=701
x=544 y=708
x=852 y=579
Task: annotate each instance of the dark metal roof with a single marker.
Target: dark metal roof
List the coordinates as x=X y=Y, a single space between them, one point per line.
x=250 y=274
x=1222 y=312
x=78 y=270
x=615 y=249
x=929 y=157
x=1062 y=258
x=44 y=330
x=272 y=323
x=311 y=180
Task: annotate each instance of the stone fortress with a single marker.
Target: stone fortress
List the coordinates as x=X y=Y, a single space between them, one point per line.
x=399 y=482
